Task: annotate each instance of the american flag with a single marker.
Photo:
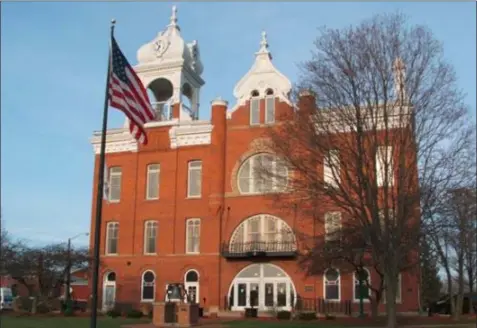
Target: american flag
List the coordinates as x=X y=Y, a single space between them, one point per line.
x=127 y=94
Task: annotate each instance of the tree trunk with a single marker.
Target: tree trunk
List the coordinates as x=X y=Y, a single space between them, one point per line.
x=450 y=292
x=34 y=305
x=391 y=308
x=374 y=306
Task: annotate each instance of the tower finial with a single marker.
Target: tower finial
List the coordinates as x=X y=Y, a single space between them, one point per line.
x=174 y=16
x=264 y=42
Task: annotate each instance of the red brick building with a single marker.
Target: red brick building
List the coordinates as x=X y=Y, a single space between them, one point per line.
x=186 y=207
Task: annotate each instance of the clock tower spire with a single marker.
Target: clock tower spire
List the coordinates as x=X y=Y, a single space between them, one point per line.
x=171 y=70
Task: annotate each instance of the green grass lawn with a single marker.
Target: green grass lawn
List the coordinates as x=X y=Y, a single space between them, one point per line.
x=64 y=322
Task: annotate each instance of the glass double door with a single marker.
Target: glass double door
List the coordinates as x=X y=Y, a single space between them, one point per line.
x=262 y=294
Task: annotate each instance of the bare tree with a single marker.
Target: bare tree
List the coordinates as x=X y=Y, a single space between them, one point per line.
x=42 y=270
x=386 y=115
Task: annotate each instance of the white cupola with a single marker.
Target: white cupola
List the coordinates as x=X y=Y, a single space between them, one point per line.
x=262 y=78
x=171 y=70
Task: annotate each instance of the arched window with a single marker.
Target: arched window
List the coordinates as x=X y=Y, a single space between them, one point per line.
x=262 y=173
x=109 y=290
x=191 y=284
x=366 y=278
x=148 y=286
x=160 y=92
x=269 y=107
x=111 y=277
x=255 y=108
x=263 y=233
x=112 y=234
x=332 y=282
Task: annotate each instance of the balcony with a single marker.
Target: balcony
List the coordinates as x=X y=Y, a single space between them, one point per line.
x=259 y=249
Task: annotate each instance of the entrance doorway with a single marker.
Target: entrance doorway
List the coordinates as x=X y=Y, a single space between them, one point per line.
x=109 y=291
x=263 y=286
x=191 y=285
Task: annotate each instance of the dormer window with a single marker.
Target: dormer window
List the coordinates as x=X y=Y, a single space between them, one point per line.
x=269 y=107
x=255 y=108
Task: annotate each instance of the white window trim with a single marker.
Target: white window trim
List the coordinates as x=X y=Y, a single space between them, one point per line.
x=189 y=169
x=380 y=171
x=193 y=283
x=280 y=226
x=106 y=249
x=143 y=300
x=149 y=170
x=356 y=282
x=187 y=235
x=252 y=160
x=266 y=109
x=329 y=238
x=110 y=177
x=146 y=237
x=255 y=98
x=332 y=164
x=399 y=288
x=339 y=286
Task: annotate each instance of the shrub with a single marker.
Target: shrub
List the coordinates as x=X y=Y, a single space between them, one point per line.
x=113 y=313
x=330 y=317
x=307 y=316
x=68 y=312
x=283 y=315
x=135 y=314
x=42 y=308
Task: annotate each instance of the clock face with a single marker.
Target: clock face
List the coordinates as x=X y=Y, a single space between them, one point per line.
x=160 y=46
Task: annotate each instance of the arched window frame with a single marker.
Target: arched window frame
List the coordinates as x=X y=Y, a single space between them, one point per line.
x=112 y=236
x=257 y=180
x=356 y=284
x=192 y=284
x=336 y=282
x=247 y=233
x=145 y=284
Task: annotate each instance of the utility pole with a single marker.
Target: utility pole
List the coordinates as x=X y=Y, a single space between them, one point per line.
x=68 y=270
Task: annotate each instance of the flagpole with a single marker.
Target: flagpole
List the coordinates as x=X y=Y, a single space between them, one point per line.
x=99 y=194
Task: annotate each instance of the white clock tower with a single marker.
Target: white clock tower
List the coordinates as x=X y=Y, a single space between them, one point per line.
x=171 y=70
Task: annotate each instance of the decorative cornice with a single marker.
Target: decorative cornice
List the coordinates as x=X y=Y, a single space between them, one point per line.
x=194 y=134
x=117 y=141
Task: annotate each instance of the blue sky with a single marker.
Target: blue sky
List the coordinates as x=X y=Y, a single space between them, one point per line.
x=53 y=65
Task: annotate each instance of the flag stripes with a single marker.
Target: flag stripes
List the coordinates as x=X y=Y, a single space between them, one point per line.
x=127 y=94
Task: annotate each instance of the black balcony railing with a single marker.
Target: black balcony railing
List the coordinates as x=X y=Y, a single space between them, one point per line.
x=259 y=249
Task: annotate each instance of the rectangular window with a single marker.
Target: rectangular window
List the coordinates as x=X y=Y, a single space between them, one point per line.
x=150 y=237
x=152 y=185
x=270 y=110
x=193 y=236
x=112 y=233
x=115 y=184
x=331 y=168
x=332 y=226
x=194 y=179
x=384 y=166
x=254 y=111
